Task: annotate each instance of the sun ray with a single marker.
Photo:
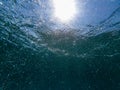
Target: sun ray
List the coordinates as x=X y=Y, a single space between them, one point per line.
x=64 y=10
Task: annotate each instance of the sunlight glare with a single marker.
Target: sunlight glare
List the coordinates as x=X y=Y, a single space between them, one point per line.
x=64 y=10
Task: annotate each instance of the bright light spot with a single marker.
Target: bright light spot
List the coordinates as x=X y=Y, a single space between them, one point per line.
x=1 y=3
x=64 y=10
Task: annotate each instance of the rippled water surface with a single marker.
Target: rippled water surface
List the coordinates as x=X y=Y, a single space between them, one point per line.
x=36 y=56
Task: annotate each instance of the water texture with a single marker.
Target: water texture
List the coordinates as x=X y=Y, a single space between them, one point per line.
x=34 y=56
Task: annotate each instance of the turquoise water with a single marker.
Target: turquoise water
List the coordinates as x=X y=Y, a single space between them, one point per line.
x=35 y=57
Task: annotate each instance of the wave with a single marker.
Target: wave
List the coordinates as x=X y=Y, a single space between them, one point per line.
x=20 y=25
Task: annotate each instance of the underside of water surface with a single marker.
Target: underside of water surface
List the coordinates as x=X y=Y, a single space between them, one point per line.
x=36 y=56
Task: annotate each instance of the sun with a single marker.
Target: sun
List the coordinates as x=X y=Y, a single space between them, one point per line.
x=64 y=10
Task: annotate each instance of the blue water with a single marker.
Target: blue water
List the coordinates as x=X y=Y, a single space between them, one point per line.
x=34 y=56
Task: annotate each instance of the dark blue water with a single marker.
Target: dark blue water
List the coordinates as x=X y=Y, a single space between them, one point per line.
x=35 y=57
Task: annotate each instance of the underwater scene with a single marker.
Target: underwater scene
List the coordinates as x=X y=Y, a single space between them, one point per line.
x=43 y=47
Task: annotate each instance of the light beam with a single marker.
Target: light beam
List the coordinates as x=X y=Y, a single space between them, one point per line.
x=64 y=10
